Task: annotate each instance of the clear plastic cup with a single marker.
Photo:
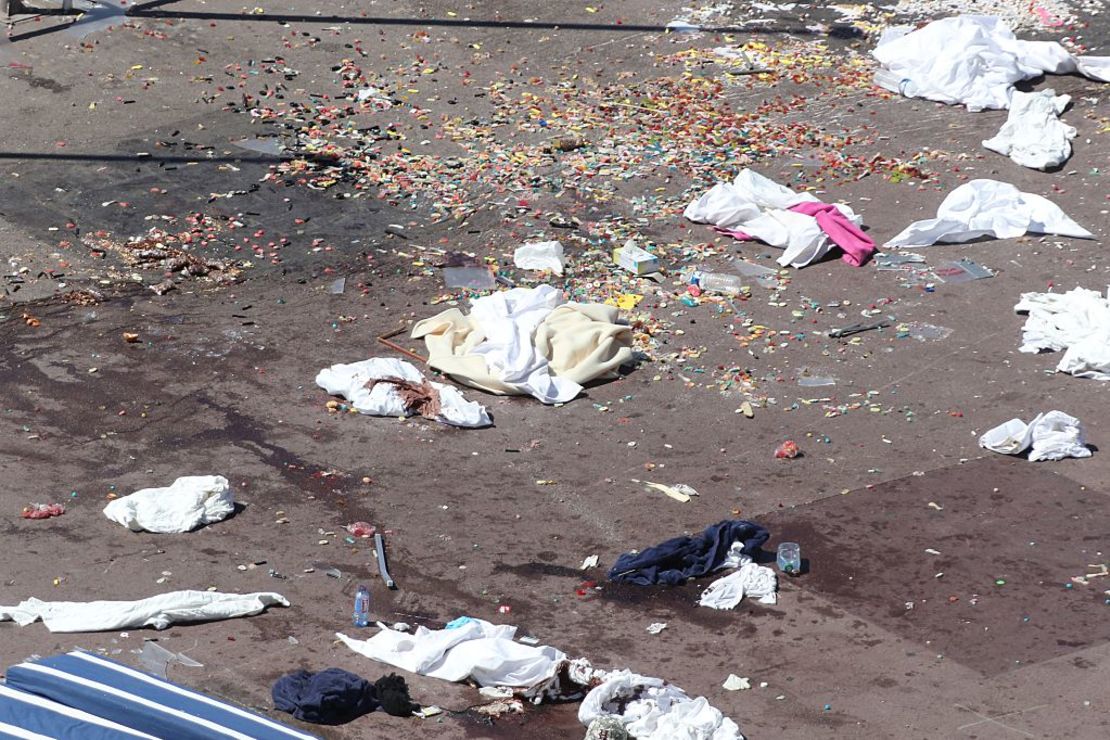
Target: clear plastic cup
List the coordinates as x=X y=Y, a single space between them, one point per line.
x=790 y=558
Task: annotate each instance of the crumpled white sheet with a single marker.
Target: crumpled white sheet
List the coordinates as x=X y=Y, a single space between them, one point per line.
x=478 y=650
x=158 y=612
x=1077 y=322
x=989 y=208
x=971 y=59
x=748 y=579
x=1053 y=436
x=1033 y=135
x=758 y=206
x=650 y=709
x=510 y=320
x=540 y=256
x=349 y=381
x=182 y=506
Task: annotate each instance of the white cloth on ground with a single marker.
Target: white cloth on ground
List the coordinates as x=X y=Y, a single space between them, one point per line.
x=478 y=650
x=158 y=612
x=651 y=709
x=757 y=206
x=182 y=506
x=1033 y=135
x=1053 y=436
x=988 y=208
x=1077 y=322
x=971 y=59
x=383 y=399
x=748 y=579
x=540 y=256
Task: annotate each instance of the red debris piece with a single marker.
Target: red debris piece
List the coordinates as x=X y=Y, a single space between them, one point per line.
x=788 y=450
x=43 y=511
x=361 y=529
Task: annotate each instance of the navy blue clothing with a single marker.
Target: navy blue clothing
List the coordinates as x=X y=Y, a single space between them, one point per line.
x=677 y=559
x=330 y=697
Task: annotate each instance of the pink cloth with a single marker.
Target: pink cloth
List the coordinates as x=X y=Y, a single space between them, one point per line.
x=856 y=245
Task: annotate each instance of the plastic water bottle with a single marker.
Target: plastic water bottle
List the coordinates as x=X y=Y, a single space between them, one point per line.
x=362 y=607
x=720 y=282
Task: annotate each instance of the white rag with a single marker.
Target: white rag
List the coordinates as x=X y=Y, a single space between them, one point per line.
x=758 y=207
x=182 y=506
x=989 y=208
x=748 y=579
x=476 y=650
x=1033 y=135
x=971 y=59
x=650 y=709
x=1077 y=322
x=540 y=256
x=382 y=399
x=1053 y=436
x=158 y=612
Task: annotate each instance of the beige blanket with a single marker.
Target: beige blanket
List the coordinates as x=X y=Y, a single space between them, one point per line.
x=580 y=342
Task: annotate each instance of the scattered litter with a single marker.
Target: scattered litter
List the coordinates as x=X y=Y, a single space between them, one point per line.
x=736 y=683
x=590 y=562
x=989 y=208
x=540 y=256
x=42 y=511
x=748 y=579
x=656 y=627
x=1053 y=435
x=360 y=529
x=379 y=550
x=1033 y=134
x=961 y=271
x=189 y=502
x=847 y=331
x=387 y=387
x=158 y=612
x=1077 y=322
x=469 y=278
x=679 y=491
x=634 y=259
x=156 y=659
x=788 y=450
x=338 y=286
x=653 y=709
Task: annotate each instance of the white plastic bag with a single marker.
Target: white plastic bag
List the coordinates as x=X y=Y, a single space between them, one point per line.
x=540 y=256
x=182 y=506
x=1050 y=436
x=1033 y=135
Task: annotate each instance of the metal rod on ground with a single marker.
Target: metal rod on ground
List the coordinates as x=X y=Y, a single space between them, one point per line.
x=384 y=339
x=379 y=547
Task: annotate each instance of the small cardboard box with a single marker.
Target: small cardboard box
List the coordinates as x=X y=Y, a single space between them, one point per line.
x=635 y=260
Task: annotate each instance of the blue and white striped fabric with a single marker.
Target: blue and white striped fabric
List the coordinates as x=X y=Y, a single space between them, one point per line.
x=140 y=701
x=31 y=717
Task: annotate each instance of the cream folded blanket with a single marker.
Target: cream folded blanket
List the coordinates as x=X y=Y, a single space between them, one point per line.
x=527 y=341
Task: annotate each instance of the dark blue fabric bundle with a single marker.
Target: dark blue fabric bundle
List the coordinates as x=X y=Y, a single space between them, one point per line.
x=677 y=559
x=330 y=697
